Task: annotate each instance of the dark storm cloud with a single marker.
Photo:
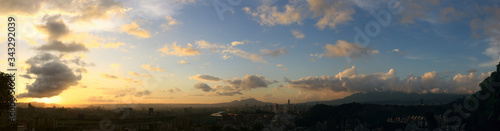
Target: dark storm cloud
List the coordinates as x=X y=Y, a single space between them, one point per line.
x=52 y=76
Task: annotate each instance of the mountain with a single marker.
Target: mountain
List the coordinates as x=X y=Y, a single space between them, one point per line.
x=396 y=98
x=249 y=102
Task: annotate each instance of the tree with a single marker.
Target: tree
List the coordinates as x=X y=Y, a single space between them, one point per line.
x=5 y=94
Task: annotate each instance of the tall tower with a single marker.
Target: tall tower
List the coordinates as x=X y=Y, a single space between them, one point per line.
x=288 y=101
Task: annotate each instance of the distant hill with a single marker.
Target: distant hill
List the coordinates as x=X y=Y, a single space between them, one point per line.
x=395 y=98
x=371 y=115
x=249 y=101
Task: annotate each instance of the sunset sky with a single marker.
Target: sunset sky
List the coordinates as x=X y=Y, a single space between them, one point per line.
x=212 y=51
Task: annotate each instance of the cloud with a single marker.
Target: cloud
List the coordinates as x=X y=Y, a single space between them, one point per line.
x=491 y=31
x=142 y=93
x=98 y=99
x=139 y=74
x=61 y=47
x=170 y=22
x=179 y=50
x=344 y=48
x=274 y=53
x=284 y=69
x=279 y=65
x=20 y=7
x=112 y=45
x=471 y=71
x=100 y=9
x=52 y=76
x=395 y=50
x=332 y=13
x=229 y=50
x=205 y=78
x=109 y=76
x=134 y=29
x=269 y=15
x=417 y=10
x=202 y=86
x=183 y=62
x=150 y=68
x=235 y=43
x=350 y=81
x=235 y=86
x=297 y=34
x=53 y=27
x=175 y=90
x=243 y=54
x=449 y=13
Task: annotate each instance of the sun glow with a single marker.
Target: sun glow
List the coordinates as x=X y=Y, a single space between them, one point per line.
x=55 y=99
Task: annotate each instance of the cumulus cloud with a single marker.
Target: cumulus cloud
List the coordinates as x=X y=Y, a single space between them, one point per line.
x=297 y=34
x=134 y=29
x=331 y=12
x=274 y=53
x=350 y=81
x=344 y=48
x=150 y=68
x=52 y=76
x=54 y=27
x=170 y=22
x=235 y=86
x=205 y=78
x=269 y=15
x=179 y=50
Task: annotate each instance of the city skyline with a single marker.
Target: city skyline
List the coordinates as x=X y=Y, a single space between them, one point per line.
x=193 y=51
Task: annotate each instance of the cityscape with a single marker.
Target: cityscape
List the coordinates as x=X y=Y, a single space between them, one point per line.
x=249 y=65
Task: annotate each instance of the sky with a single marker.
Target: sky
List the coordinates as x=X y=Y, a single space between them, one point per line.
x=213 y=51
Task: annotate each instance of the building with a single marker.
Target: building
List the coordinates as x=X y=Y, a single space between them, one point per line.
x=151 y=112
